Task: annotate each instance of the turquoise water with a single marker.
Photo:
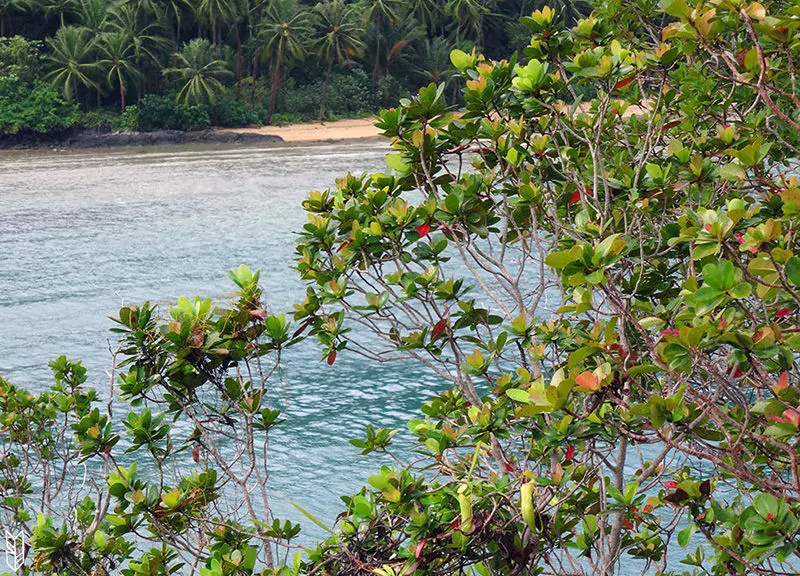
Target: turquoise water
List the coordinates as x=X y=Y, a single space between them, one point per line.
x=82 y=232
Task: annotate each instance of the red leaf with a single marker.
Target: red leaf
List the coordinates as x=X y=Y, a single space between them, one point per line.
x=791 y=416
x=570 y=453
x=196 y=453
x=670 y=332
x=574 y=198
x=670 y=484
x=623 y=83
x=783 y=313
x=331 y=358
x=588 y=381
x=783 y=383
x=423 y=229
x=420 y=548
x=672 y=124
x=438 y=328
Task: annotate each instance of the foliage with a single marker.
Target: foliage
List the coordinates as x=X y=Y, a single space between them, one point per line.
x=164 y=113
x=26 y=104
x=349 y=93
x=233 y=113
x=198 y=73
x=108 y=53
x=611 y=288
x=185 y=472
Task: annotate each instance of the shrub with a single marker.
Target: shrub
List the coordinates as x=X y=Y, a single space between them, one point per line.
x=163 y=113
x=39 y=109
x=232 y=112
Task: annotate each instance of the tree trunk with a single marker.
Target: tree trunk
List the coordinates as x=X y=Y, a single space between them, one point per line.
x=376 y=67
x=273 y=89
x=325 y=90
x=238 y=63
x=122 y=95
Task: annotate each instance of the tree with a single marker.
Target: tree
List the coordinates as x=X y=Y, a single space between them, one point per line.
x=284 y=30
x=598 y=256
x=93 y=15
x=340 y=38
x=379 y=13
x=217 y=13
x=198 y=72
x=119 y=61
x=71 y=60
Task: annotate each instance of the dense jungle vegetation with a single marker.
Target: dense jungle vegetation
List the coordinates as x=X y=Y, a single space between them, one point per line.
x=149 y=64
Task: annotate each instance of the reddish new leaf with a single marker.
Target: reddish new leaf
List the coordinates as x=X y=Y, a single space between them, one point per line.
x=332 y=358
x=588 y=381
x=623 y=83
x=438 y=328
x=423 y=229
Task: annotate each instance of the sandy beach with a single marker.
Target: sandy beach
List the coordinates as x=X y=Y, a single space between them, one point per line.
x=318 y=131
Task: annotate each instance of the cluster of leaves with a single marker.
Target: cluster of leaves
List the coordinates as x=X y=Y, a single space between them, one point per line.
x=600 y=253
x=185 y=471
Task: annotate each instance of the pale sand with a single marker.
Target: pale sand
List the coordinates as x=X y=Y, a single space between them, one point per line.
x=319 y=131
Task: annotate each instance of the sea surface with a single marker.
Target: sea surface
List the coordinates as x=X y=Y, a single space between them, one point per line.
x=82 y=232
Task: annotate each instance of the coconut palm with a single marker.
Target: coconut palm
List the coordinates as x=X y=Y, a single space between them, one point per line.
x=217 y=13
x=119 y=61
x=426 y=12
x=199 y=73
x=71 y=60
x=284 y=30
x=93 y=15
x=435 y=62
x=148 y=39
x=378 y=13
x=468 y=16
x=340 y=38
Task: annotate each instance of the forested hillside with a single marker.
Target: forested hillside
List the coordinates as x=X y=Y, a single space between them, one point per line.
x=190 y=63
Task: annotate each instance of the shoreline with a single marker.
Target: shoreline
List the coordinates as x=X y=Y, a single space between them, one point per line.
x=336 y=131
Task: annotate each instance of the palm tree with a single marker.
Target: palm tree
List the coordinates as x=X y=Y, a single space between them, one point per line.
x=216 y=13
x=71 y=60
x=93 y=15
x=426 y=12
x=468 y=15
x=340 y=39
x=149 y=42
x=284 y=30
x=147 y=38
x=119 y=61
x=198 y=71
x=435 y=63
x=379 y=12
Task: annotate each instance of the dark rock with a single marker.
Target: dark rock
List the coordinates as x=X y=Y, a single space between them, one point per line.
x=117 y=139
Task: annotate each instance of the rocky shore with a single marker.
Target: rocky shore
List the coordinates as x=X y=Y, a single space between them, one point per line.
x=118 y=139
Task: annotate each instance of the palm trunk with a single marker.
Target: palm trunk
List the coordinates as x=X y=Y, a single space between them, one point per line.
x=273 y=90
x=238 y=63
x=376 y=67
x=325 y=90
x=122 y=96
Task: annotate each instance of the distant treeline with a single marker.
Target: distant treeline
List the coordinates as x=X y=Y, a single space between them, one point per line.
x=190 y=63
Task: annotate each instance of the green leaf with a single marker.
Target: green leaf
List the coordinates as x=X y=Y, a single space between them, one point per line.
x=685 y=535
x=311 y=517
x=793 y=270
x=518 y=395
x=461 y=59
